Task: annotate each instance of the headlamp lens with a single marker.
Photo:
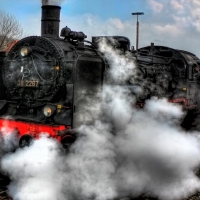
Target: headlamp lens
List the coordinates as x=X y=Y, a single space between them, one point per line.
x=47 y=111
x=25 y=51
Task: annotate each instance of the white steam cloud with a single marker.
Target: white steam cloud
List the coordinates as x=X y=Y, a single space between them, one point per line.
x=128 y=152
x=34 y=171
x=8 y=139
x=52 y=2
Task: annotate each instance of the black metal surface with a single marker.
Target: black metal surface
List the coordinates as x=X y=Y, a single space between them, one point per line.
x=2 y=87
x=168 y=73
x=68 y=34
x=50 y=21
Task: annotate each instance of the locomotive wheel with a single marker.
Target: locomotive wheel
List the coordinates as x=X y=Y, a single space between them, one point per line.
x=25 y=141
x=190 y=122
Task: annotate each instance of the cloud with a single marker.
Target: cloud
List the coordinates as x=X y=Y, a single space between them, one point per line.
x=156 y=6
x=117 y=23
x=170 y=33
x=188 y=15
x=168 y=29
x=93 y=25
x=167 y=23
x=177 y=5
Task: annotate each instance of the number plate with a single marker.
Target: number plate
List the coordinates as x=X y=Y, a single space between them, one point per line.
x=29 y=83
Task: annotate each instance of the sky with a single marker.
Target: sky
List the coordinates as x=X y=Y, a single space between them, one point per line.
x=172 y=23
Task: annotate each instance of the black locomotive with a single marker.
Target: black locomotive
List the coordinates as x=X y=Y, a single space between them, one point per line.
x=163 y=72
x=174 y=74
x=48 y=83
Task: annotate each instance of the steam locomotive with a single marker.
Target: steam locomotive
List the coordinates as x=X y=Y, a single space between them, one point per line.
x=163 y=72
x=174 y=74
x=48 y=83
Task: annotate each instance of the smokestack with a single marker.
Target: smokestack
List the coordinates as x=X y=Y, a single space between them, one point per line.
x=50 y=21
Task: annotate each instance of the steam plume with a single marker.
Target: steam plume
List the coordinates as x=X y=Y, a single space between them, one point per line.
x=34 y=171
x=52 y=2
x=154 y=155
x=128 y=152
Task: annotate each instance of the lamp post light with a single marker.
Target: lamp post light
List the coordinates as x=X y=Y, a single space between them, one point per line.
x=137 y=28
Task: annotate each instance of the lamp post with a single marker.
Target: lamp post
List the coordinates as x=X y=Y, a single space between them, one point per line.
x=137 y=28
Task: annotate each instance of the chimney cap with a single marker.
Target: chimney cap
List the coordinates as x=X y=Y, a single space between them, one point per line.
x=51 y=6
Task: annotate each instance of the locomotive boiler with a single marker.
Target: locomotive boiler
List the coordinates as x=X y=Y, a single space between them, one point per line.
x=50 y=82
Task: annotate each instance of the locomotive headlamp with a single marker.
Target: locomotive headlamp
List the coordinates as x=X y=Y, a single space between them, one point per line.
x=49 y=110
x=25 y=51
